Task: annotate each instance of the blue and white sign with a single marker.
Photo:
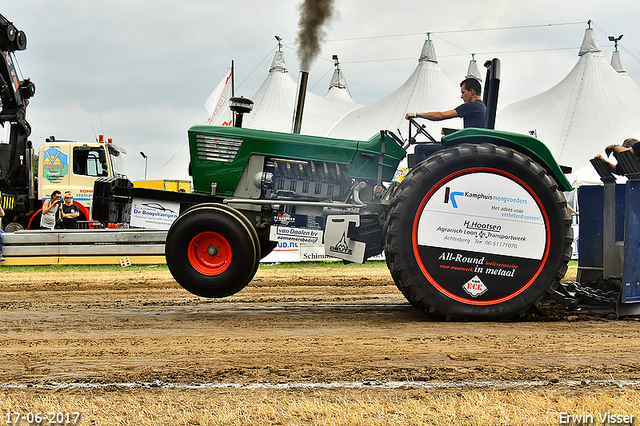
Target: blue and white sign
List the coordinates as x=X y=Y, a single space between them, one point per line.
x=296 y=228
x=153 y=214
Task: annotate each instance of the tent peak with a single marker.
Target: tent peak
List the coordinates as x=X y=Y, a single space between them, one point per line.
x=278 y=64
x=589 y=44
x=337 y=80
x=473 y=71
x=428 y=53
x=616 y=62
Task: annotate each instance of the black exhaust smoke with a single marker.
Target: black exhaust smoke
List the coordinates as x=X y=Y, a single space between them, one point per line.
x=313 y=14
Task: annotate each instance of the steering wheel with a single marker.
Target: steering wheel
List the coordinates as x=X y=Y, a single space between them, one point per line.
x=419 y=128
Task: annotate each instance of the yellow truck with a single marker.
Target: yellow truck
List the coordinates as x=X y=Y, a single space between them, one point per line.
x=70 y=166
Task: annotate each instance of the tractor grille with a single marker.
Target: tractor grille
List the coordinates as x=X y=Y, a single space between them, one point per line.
x=216 y=148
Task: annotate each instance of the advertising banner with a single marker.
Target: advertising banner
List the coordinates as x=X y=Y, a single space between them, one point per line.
x=153 y=214
x=296 y=228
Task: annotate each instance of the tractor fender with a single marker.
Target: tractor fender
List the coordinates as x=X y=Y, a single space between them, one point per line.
x=528 y=145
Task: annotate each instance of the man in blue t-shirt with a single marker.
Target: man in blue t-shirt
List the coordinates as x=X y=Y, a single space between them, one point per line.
x=472 y=111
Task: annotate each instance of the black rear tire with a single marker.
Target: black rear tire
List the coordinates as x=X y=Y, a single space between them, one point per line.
x=212 y=250
x=478 y=232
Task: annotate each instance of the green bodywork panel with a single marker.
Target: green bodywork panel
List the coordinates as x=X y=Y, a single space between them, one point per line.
x=528 y=145
x=219 y=154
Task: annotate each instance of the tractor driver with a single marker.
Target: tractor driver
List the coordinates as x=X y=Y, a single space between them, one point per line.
x=472 y=111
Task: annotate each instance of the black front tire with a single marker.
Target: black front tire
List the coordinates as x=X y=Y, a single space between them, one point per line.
x=212 y=250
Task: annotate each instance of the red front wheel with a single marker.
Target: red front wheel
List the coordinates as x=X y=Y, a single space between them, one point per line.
x=212 y=250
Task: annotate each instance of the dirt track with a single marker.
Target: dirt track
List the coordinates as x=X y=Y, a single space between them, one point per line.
x=312 y=325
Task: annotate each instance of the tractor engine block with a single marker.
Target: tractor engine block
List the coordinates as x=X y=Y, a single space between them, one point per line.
x=305 y=180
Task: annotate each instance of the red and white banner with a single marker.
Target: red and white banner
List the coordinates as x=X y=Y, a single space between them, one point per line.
x=218 y=104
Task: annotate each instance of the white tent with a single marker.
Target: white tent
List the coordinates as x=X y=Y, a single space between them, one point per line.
x=275 y=99
x=427 y=89
x=587 y=175
x=589 y=109
x=322 y=112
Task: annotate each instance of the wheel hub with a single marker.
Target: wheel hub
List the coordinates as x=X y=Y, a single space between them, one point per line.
x=210 y=253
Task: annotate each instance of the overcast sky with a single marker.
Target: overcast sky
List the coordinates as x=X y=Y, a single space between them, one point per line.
x=139 y=71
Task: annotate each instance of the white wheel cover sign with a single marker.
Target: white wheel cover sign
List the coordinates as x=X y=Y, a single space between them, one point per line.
x=481 y=237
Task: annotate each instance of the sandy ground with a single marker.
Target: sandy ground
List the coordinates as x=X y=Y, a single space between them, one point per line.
x=313 y=325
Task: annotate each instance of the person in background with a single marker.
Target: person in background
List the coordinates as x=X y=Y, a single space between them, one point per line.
x=1 y=231
x=472 y=111
x=70 y=212
x=630 y=144
x=49 y=209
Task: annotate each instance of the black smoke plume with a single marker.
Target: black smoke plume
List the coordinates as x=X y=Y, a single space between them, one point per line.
x=313 y=14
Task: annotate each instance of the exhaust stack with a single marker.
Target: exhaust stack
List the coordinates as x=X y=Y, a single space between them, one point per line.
x=303 y=78
x=240 y=106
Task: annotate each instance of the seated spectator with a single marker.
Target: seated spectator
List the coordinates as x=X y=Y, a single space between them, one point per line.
x=629 y=144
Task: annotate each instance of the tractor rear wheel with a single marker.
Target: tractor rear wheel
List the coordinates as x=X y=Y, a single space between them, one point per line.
x=212 y=250
x=478 y=232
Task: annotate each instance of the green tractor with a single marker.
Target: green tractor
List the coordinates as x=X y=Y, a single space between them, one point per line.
x=478 y=231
